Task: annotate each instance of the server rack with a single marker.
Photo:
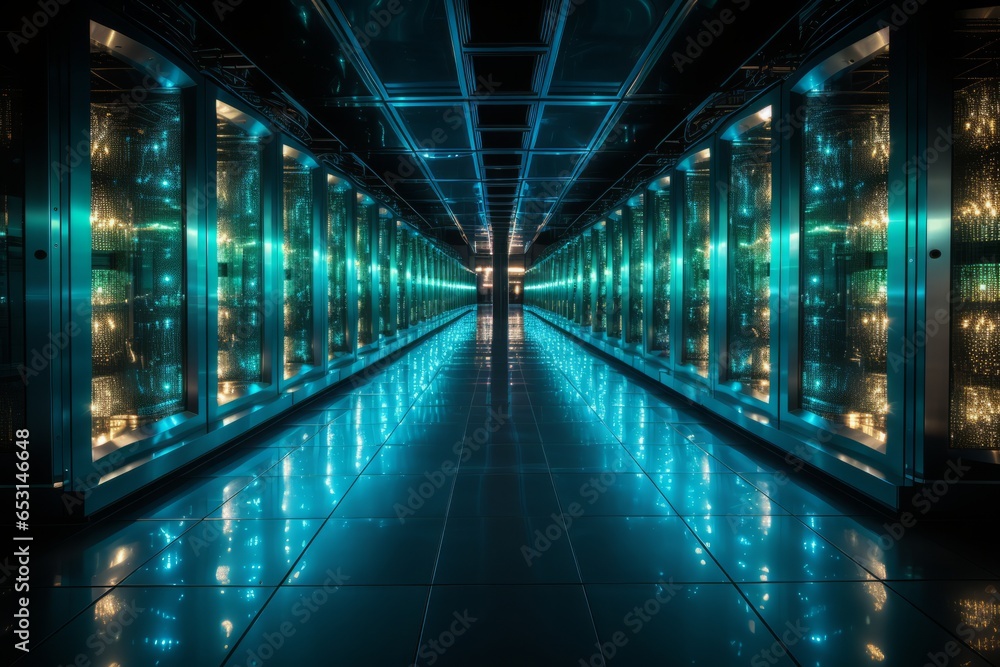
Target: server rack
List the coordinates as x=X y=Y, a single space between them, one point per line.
x=387 y=296
x=633 y=303
x=839 y=299
x=403 y=275
x=953 y=170
x=694 y=211
x=240 y=307
x=616 y=281
x=658 y=276
x=587 y=280
x=301 y=218
x=364 y=262
x=844 y=261
x=748 y=259
x=186 y=261
x=136 y=273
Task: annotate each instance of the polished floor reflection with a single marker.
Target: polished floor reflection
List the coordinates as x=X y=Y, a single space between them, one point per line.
x=549 y=509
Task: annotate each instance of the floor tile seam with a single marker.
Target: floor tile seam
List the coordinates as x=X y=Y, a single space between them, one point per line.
x=327 y=519
x=687 y=524
x=569 y=540
x=415 y=398
x=194 y=522
x=111 y=588
x=425 y=616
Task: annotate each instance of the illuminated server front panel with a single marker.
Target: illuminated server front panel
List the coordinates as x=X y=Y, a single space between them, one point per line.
x=823 y=270
x=588 y=278
x=418 y=265
x=749 y=251
x=696 y=260
x=572 y=281
x=367 y=215
x=297 y=261
x=616 y=262
x=428 y=278
x=600 y=240
x=339 y=207
x=137 y=252
x=198 y=276
x=13 y=394
x=661 y=267
x=239 y=232
x=403 y=277
x=386 y=297
x=635 y=219
x=975 y=238
x=844 y=278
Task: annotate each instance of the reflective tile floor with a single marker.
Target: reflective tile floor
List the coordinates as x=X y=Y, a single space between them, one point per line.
x=412 y=518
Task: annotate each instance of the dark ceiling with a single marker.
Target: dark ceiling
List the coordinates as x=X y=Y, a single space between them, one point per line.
x=469 y=116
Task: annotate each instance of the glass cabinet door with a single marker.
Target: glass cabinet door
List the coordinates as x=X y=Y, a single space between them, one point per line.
x=417 y=273
x=422 y=277
x=427 y=278
x=574 y=277
x=600 y=235
x=239 y=237
x=587 y=280
x=386 y=236
x=844 y=254
x=438 y=282
x=561 y=261
x=338 y=194
x=430 y=292
x=616 y=242
x=450 y=290
x=636 y=220
x=137 y=251
x=748 y=313
x=975 y=237
x=662 y=253
x=697 y=240
x=403 y=277
x=455 y=288
x=297 y=262
x=366 y=216
x=552 y=302
x=557 y=303
x=562 y=291
x=436 y=261
x=448 y=284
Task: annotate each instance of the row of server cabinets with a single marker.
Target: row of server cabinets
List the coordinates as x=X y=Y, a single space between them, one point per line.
x=824 y=269
x=178 y=271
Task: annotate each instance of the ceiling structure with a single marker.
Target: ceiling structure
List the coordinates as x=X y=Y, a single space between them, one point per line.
x=471 y=116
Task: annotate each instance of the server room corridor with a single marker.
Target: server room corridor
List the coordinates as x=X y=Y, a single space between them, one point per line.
x=409 y=518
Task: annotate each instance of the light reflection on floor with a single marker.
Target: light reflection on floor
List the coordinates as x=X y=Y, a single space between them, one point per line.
x=441 y=514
